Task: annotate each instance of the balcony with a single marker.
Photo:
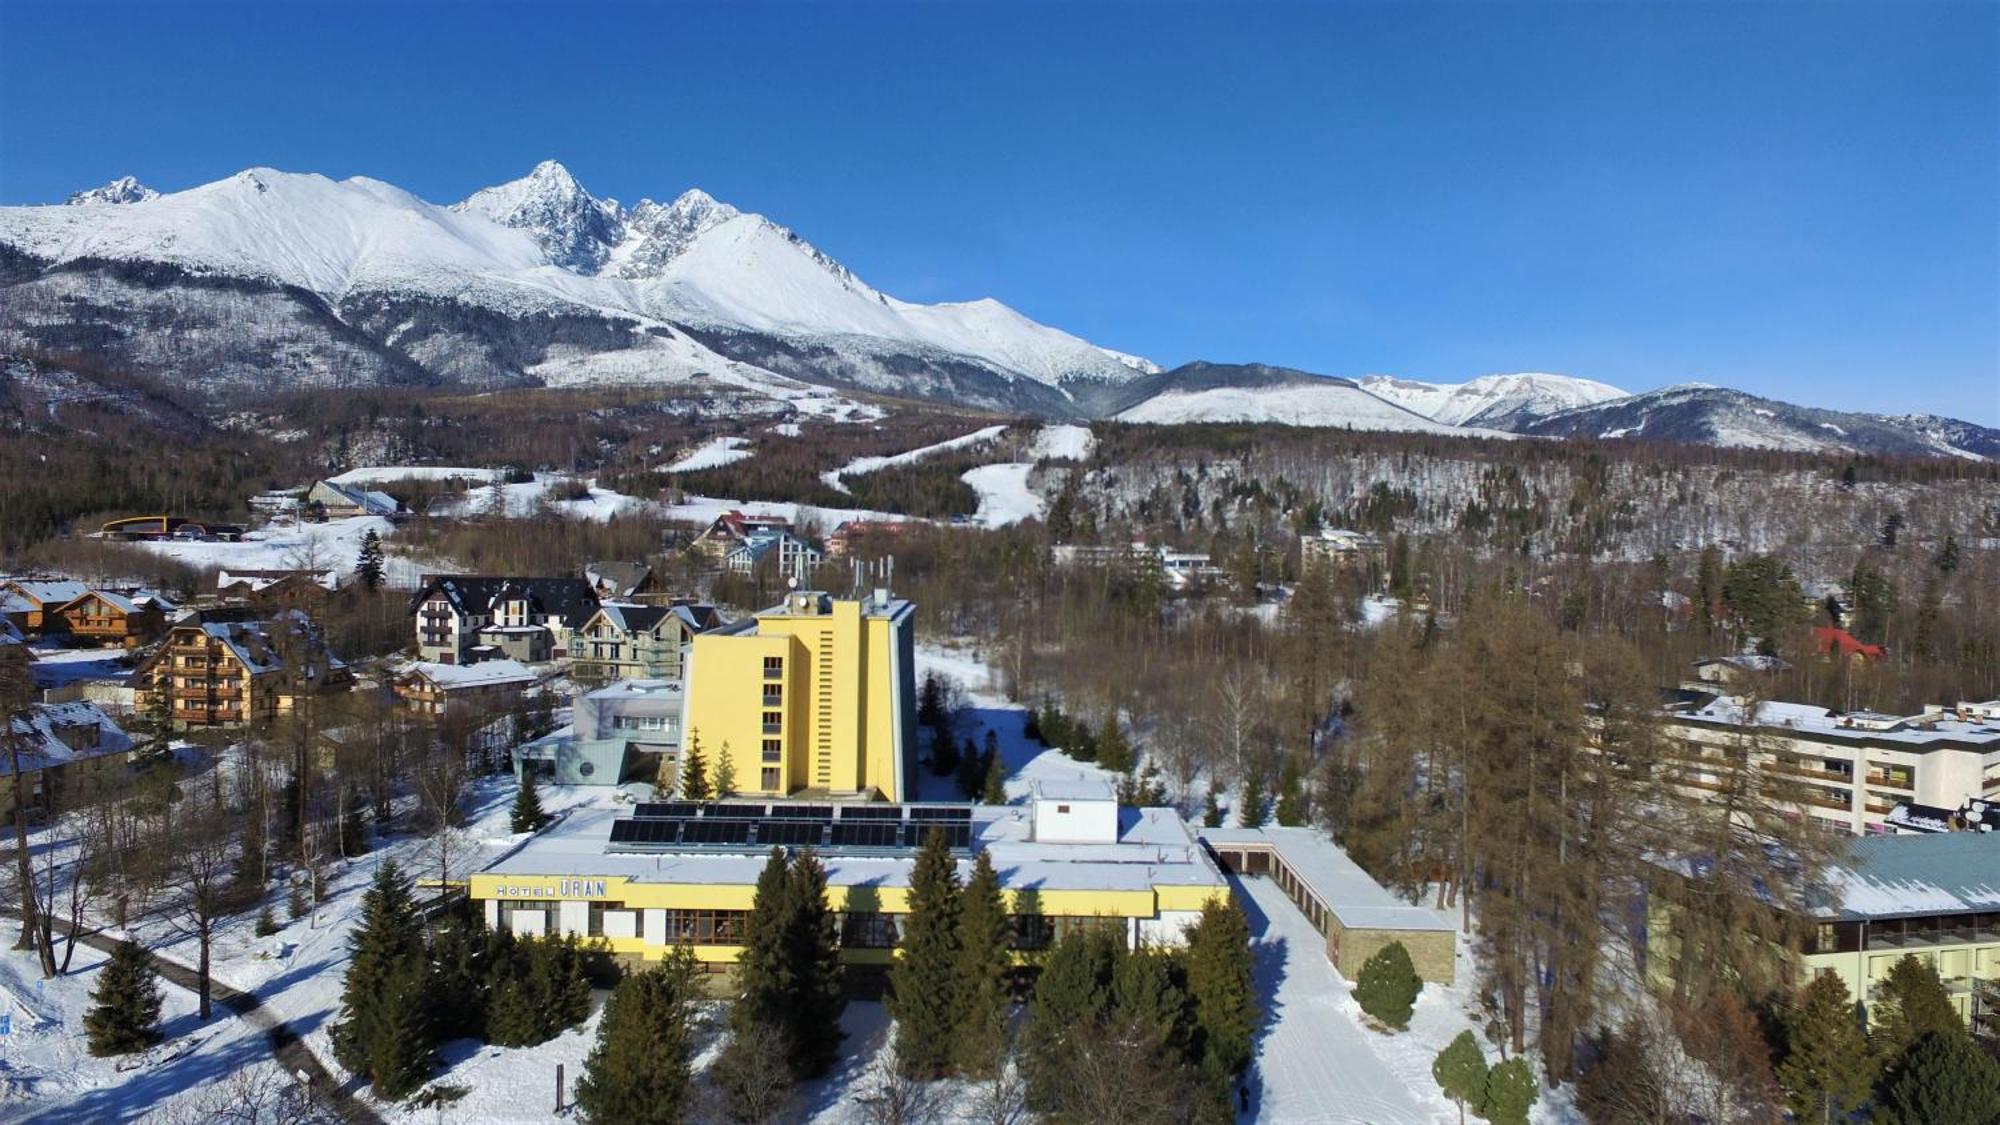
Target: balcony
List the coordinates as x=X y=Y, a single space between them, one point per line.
x=208 y=692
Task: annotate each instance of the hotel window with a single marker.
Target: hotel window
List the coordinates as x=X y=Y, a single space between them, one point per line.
x=510 y=907
x=869 y=930
x=1825 y=940
x=774 y=750
x=595 y=926
x=706 y=927
x=770 y=779
x=774 y=667
x=774 y=721
x=774 y=695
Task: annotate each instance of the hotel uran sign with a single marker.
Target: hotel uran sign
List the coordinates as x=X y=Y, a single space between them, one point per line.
x=557 y=888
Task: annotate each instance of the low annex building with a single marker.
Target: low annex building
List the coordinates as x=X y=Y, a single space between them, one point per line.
x=625 y=731
x=1358 y=915
x=435 y=689
x=57 y=742
x=680 y=872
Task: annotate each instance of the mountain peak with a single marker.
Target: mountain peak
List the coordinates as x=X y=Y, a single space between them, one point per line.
x=575 y=228
x=124 y=189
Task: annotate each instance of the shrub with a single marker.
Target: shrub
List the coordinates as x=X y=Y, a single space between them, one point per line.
x=1388 y=986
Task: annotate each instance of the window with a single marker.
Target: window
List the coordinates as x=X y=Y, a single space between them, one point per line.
x=510 y=907
x=869 y=930
x=774 y=695
x=1062 y=808
x=774 y=721
x=706 y=927
x=770 y=778
x=774 y=750
x=774 y=667
x=595 y=926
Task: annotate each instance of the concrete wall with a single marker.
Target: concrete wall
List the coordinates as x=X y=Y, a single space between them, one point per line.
x=1431 y=951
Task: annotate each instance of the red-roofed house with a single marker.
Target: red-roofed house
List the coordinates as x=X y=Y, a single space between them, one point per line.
x=732 y=529
x=1829 y=641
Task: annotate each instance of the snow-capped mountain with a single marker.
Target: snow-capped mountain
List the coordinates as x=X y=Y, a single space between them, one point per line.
x=324 y=282
x=1255 y=392
x=124 y=189
x=1707 y=415
x=1500 y=402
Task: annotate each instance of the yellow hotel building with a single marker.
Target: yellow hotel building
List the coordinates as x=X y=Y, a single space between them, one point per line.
x=813 y=697
x=679 y=872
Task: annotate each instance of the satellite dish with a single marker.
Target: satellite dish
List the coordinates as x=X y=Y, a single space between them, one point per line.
x=792 y=583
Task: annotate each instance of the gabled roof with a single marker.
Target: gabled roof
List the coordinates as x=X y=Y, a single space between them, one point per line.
x=570 y=599
x=247 y=636
x=42 y=745
x=258 y=580
x=458 y=677
x=1827 y=639
x=618 y=579
x=117 y=601
x=46 y=592
x=763 y=542
x=370 y=502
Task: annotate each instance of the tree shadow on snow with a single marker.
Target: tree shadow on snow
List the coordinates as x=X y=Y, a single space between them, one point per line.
x=1270 y=957
x=141 y=1093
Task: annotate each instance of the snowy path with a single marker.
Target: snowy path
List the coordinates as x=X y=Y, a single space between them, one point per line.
x=1004 y=495
x=1315 y=1063
x=863 y=465
x=711 y=454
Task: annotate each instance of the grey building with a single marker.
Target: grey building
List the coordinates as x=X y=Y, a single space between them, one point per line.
x=623 y=732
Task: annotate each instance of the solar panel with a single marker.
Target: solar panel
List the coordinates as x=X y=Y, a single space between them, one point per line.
x=930 y=814
x=670 y=808
x=792 y=833
x=734 y=810
x=871 y=812
x=958 y=836
x=866 y=834
x=621 y=831
x=801 y=812
x=709 y=831
x=660 y=831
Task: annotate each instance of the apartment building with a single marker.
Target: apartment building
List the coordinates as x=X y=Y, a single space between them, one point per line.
x=1853 y=768
x=637 y=642
x=814 y=696
x=461 y=618
x=228 y=667
x=490 y=686
x=61 y=746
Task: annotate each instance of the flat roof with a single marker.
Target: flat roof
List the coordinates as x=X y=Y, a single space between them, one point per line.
x=1074 y=789
x=1931 y=873
x=1155 y=848
x=1350 y=893
x=1915 y=733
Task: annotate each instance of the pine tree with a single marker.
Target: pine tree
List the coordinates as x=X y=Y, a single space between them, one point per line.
x=1292 y=809
x=763 y=970
x=388 y=937
x=814 y=946
x=1211 y=812
x=1113 y=751
x=512 y=1020
x=125 y=1012
x=402 y=1056
x=1511 y=1091
x=694 y=771
x=528 y=815
x=639 y=1070
x=1943 y=1079
x=1146 y=999
x=1460 y=1070
x=923 y=997
x=1253 y=809
x=1072 y=992
x=1828 y=1070
x=1913 y=1003
x=993 y=790
x=368 y=566
x=1388 y=985
x=1220 y=984
x=981 y=973
x=1947 y=559
x=725 y=773
x=971 y=771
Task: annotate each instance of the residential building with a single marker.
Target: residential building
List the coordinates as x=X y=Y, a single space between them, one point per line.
x=331 y=500
x=815 y=695
x=35 y=601
x=637 y=642
x=1357 y=915
x=463 y=617
x=107 y=617
x=277 y=589
x=1831 y=643
x=61 y=746
x=865 y=533
x=786 y=552
x=1734 y=671
x=1853 y=768
x=672 y=874
x=230 y=667
x=490 y=685
x=169 y=527
x=1342 y=549
x=624 y=581
x=1178 y=568
x=625 y=731
x=730 y=529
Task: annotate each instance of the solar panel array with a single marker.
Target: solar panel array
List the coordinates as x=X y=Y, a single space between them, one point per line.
x=735 y=825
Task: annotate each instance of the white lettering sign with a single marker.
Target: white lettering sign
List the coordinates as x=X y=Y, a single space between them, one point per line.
x=565 y=888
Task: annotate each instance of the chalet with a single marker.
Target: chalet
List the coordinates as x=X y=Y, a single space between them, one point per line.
x=169 y=527
x=57 y=743
x=332 y=500
x=490 y=685
x=230 y=667
x=790 y=553
x=1340 y=549
x=1731 y=671
x=853 y=533
x=623 y=580
x=34 y=601
x=732 y=529
x=463 y=617
x=631 y=642
x=277 y=589
x=105 y=617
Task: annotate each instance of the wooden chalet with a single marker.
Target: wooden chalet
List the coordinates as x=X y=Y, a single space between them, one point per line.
x=230 y=667
x=32 y=602
x=104 y=617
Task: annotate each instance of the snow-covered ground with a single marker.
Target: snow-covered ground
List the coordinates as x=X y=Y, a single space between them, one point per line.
x=863 y=465
x=384 y=474
x=519 y=501
x=1004 y=495
x=712 y=454
x=704 y=509
x=1064 y=443
x=47 y=1074
x=335 y=545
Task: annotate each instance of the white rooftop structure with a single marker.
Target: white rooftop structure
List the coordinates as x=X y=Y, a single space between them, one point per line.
x=1350 y=893
x=464 y=677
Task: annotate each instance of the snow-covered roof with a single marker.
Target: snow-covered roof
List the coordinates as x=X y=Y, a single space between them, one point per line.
x=1934 y=729
x=1341 y=885
x=49 y=592
x=47 y=731
x=1934 y=873
x=1074 y=789
x=1154 y=849
x=463 y=677
x=636 y=689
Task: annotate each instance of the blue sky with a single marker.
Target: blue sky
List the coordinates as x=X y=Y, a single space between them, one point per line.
x=1798 y=199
